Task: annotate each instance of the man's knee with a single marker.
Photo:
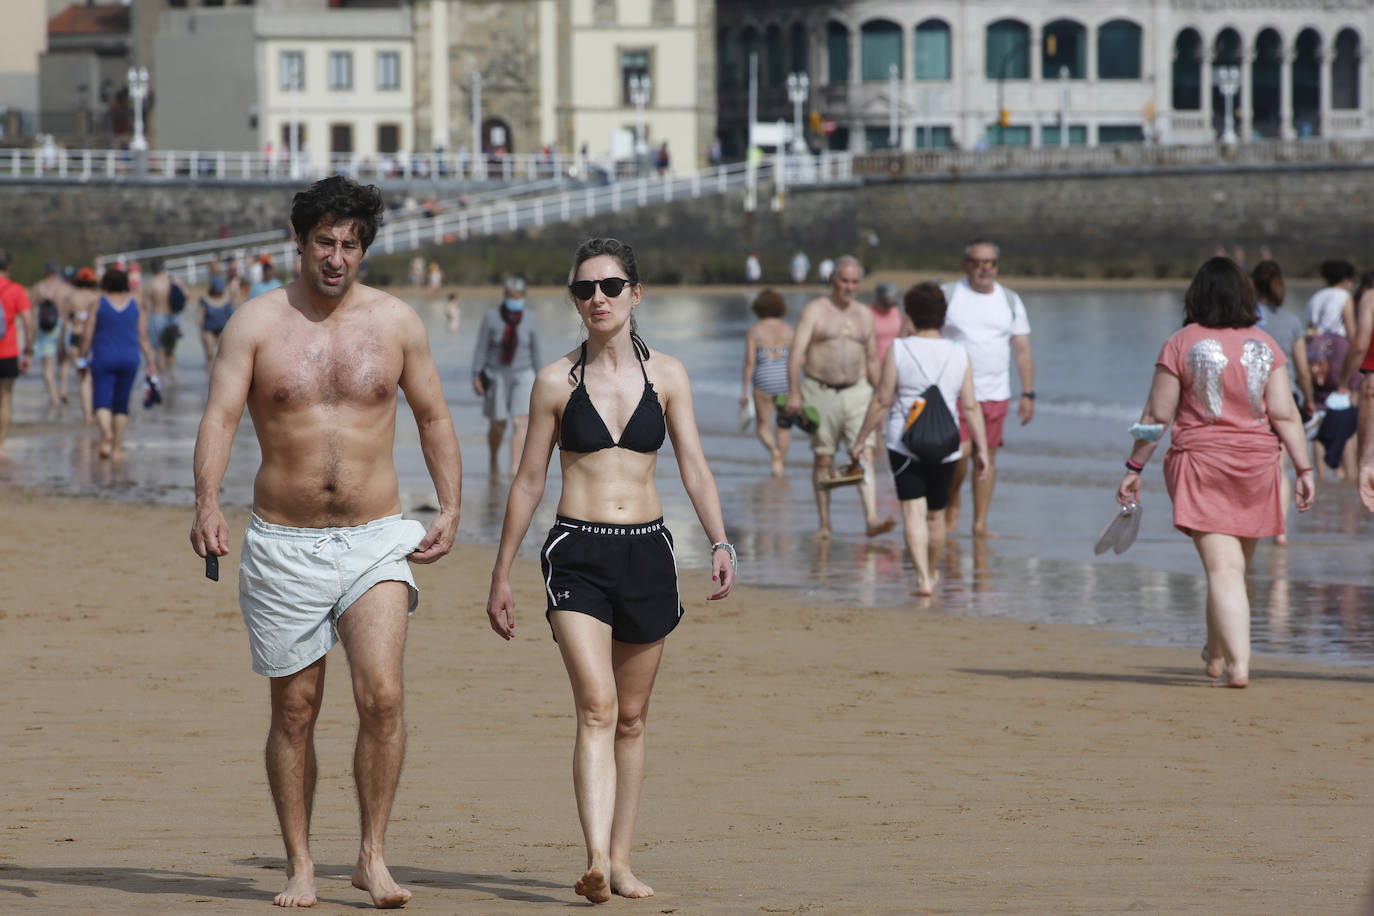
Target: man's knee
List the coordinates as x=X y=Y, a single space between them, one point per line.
x=294 y=710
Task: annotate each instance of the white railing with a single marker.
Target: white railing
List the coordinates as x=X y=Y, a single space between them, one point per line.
x=494 y=213
x=1109 y=156
x=56 y=163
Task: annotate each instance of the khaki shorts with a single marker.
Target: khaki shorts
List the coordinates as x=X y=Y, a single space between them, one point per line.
x=295 y=583
x=842 y=413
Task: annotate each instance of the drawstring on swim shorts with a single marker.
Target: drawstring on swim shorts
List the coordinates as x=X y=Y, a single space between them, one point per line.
x=324 y=539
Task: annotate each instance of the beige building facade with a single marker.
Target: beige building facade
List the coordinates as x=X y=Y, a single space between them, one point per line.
x=521 y=75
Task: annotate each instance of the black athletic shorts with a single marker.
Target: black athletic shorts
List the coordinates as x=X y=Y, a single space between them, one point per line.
x=623 y=575
x=915 y=479
x=9 y=367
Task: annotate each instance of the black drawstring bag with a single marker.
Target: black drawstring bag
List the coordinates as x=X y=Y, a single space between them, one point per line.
x=934 y=434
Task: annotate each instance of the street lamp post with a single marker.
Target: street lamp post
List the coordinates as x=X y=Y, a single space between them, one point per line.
x=1228 y=83
x=479 y=162
x=892 y=128
x=138 y=91
x=294 y=79
x=1063 y=107
x=798 y=85
x=640 y=85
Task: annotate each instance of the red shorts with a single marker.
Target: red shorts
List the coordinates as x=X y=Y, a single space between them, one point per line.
x=994 y=417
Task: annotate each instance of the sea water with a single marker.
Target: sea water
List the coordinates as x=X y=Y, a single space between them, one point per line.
x=1094 y=353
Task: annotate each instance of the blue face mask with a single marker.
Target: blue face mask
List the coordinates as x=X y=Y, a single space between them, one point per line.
x=515 y=305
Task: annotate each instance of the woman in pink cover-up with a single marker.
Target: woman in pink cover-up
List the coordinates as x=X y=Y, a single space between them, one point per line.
x=1223 y=385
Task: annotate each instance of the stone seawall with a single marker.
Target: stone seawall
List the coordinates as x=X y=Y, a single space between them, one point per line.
x=1147 y=224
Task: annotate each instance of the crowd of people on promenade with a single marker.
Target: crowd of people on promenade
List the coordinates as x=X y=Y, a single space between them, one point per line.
x=320 y=362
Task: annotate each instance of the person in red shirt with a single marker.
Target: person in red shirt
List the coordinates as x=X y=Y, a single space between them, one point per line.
x=15 y=301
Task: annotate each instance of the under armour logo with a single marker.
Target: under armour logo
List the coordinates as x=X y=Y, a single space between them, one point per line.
x=563 y=595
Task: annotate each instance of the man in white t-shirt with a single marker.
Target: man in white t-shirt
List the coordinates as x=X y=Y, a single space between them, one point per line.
x=985 y=317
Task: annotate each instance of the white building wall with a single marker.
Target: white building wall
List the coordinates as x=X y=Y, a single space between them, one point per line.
x=968 y=103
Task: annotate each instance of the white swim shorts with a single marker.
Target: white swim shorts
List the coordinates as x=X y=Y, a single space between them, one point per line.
x=295 y=583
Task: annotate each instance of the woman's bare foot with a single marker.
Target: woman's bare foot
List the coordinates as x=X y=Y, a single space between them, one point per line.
x=777 y=463
x=106 y=447
x=300 y=887
x=624 y=883
x=593 y=886
x=1233 y=677
x=375 y=878
x=927 y=588
x=1214 y=665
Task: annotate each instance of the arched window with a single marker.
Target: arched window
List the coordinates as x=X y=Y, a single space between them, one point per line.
x=775 y=69
x=1118 y=50
x=1345 y=70
x=880 y=43
x=932 y=50
x=1008 y=50
x=800 y=64
x=1064 y=46
x=1265 y=82
x=837 y=52
x=727 y=61
x=1307 y=88
x=1187 y=71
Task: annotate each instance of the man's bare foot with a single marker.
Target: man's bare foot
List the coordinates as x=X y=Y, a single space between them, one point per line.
x=300 y=887
x=106 y=447
x=1214 y=665
x=882 y=527
x=375 y=878
x=624 y=883
x=984 y=533
x=822 y=535
x=593 y=886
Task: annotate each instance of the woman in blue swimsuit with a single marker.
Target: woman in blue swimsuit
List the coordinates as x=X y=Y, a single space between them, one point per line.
x=609 y=573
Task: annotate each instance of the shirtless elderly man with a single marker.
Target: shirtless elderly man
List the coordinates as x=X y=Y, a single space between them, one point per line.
x=833 y=367
x=318 y=364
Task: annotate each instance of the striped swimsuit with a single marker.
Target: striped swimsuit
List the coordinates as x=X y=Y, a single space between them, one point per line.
x=770 y=370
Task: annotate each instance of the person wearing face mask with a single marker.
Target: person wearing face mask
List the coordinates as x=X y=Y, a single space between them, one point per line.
x=504 y=363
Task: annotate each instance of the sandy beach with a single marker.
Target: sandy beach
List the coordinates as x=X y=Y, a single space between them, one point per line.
x=801 y=759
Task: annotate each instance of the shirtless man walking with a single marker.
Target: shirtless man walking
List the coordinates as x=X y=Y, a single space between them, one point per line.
x=318 y=364
x=833 y=367
x=155 y=298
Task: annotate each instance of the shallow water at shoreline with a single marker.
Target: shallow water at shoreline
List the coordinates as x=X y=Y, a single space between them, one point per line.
x=1094 y=352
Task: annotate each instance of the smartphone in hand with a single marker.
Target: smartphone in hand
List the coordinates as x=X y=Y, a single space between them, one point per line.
x=212 y=567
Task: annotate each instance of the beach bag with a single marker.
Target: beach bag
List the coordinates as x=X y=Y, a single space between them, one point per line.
x=48 y=316
x=931 y=434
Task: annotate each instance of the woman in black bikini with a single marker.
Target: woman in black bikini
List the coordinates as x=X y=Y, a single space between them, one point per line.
x=609 y=574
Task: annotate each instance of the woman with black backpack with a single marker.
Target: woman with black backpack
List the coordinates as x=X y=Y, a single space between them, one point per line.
x=923 y=375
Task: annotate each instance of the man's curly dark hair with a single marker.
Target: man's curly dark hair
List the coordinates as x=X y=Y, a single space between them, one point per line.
x=334 y=199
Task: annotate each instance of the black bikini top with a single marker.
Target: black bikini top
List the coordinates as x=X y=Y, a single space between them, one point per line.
x=583 y=430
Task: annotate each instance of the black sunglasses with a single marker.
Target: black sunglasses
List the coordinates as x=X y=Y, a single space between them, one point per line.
x=611 y=286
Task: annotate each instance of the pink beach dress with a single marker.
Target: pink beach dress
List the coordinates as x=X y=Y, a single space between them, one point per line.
x=1222 y=468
